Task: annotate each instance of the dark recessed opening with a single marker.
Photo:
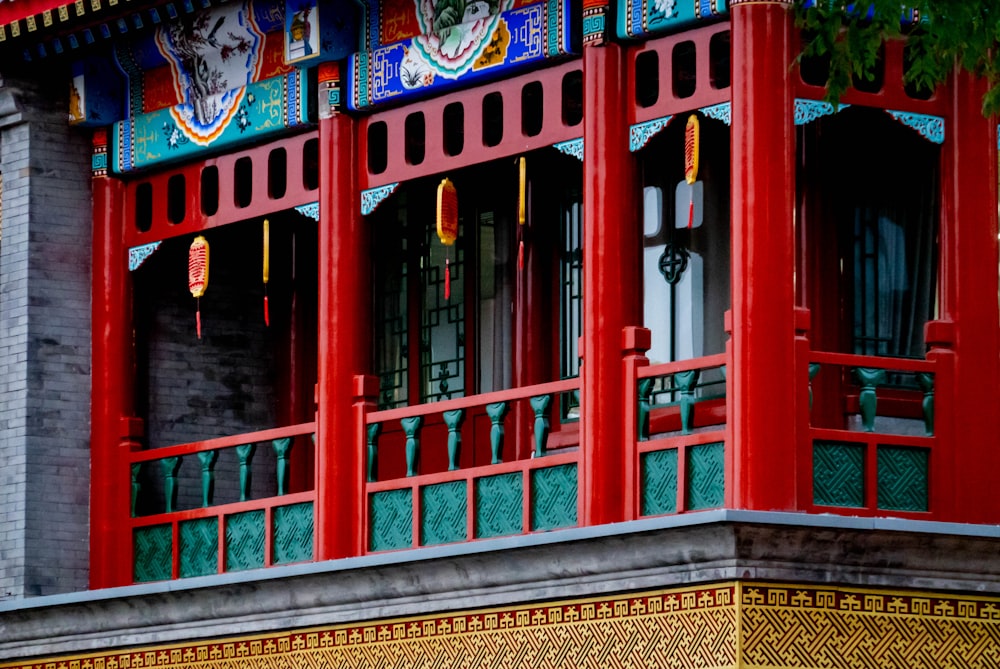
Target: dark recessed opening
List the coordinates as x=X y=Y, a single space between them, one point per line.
x=453 y=127
x=176 y=198
x=492 y=119
x=144 y=206
x=647 y=78
x=718 y=60
x=210 y=190
x=532 y=108
x=572 y=97
x=310 y=165
x=277 y=173
x=243 y=182
x=685 y=74
x=415 y=138
x=877 y=80
x=378 y=147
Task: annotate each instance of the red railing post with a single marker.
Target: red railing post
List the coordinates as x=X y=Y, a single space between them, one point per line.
x=763 y=256
x=635 y=342
x=344 y=346
x=944 y=460
x=803 y=407
x=365 y=396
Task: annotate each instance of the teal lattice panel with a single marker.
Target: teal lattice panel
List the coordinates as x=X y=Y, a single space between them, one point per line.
x=902 y=478
x=245 y=541
x=390 y=518
x=499 y=505
x=553 y=497
x=199 y=547
x=293 y=533
x=153 y=551
x=706 y=476
x=443 y=509
x=659 y=482
x=838 y=474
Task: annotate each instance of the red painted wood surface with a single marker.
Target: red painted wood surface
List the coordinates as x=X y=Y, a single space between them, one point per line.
x=110 y=541
x=763 y=252
x=344 y=349
x=611 y=248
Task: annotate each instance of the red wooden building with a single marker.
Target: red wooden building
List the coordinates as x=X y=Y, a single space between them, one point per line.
x=707 y=353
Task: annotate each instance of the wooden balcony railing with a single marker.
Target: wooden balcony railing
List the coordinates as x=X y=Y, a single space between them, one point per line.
x=876 y=428
x=470 y=468
x=678 y=433
x=186 y=533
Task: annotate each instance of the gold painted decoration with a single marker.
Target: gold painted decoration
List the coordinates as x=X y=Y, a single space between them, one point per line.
x=198 y=274
x=267 y=268
x=692 y=137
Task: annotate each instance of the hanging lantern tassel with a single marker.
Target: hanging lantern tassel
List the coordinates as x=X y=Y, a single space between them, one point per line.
x=198 y=274
x=267 y=268
x=447 y=224
x=691 y=139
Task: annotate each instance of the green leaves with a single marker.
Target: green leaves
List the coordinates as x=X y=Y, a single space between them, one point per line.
x=946 y=33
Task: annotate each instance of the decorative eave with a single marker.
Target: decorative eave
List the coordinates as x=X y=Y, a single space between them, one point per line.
x=39 y=29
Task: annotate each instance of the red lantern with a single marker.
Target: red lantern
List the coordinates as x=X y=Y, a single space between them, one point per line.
x=198 y=274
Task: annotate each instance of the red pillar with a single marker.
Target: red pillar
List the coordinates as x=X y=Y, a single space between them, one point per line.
x=762 y=405
x=969 y=257
x=611 y=262
x=111 y=361
x=344 y=346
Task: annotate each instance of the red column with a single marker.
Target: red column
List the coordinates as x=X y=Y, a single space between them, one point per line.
x=344 y=346
x=111 y=360
x=762 y=404
x=611 y=262
x=969 y=257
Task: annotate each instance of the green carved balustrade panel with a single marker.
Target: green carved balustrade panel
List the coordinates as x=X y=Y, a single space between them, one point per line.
x=838 y=474
x=902 y=478
x=659 y=482
x=391 y=520
x=153 y=551
x=706 y=476
x=199 y=547
x=499 y=505
x=245 y=541
x=443 y=513
x=293 y=533
x=554 y=497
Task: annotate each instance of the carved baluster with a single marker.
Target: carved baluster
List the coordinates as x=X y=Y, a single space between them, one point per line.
x=372 y=433
x=136 y=485
x=645 y=403
x=813 y=371
x=411 y=428
x=686 y=382
x=207 y=460
x=170 y=467
x=245 y=455
x=282 y=451
x=870 y=379
x=453 y=419
x=497 y=411
x=540 y=405
x=926 y=381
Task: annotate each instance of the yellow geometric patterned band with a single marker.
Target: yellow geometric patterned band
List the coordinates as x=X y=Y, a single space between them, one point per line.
x=735 y=624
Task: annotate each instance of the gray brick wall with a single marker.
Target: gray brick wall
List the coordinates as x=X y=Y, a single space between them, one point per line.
x=44 y=343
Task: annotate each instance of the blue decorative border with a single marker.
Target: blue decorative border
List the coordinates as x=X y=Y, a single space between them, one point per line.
x=572 y=147
x=311 y=210
x=640 y=133
x=138 y=254
x=807 y=111
x=372 y=198
x=720 y=112
x=930 y=127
